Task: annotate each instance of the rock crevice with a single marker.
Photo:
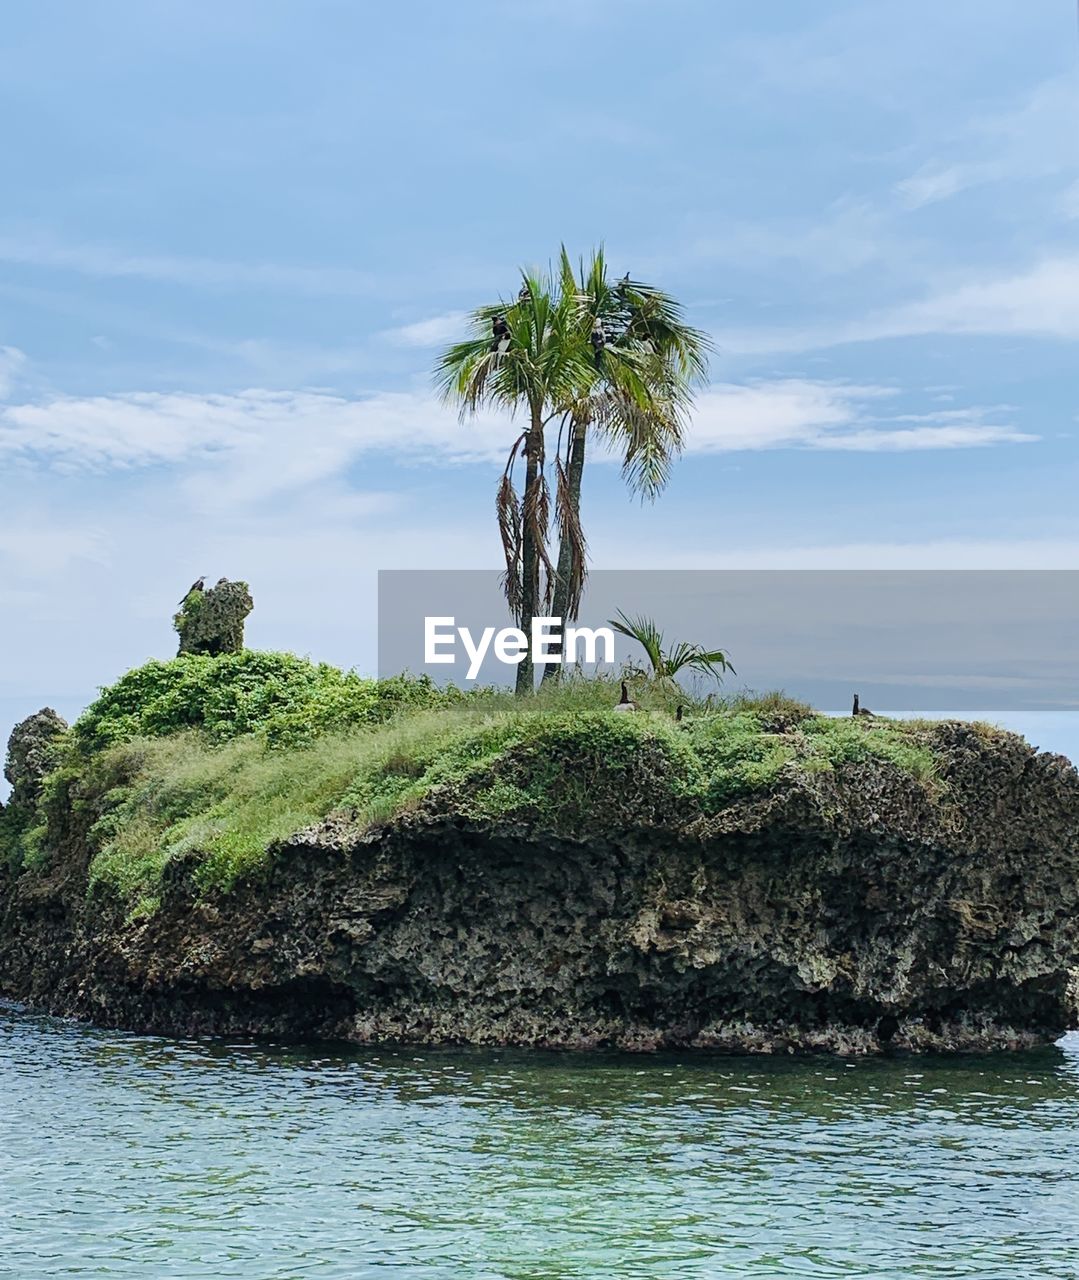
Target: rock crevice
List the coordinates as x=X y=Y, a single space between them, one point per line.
x=847 y=911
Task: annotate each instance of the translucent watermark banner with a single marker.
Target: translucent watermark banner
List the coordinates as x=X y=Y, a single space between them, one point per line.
x=930 y=641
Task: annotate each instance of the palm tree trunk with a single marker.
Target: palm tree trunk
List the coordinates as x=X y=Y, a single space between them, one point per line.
x=530 y=560
x=562 y=607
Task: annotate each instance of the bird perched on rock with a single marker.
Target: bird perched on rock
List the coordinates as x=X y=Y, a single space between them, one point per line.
x=198 y=585
x=501 y=331
x=626 y=703
x=859 y=710
x=598 y=340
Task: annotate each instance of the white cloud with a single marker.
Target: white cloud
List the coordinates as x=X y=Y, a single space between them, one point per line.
x=259 y=442
x=1041 y=301
x=42 y=547
x=844 y=237
x=932 y=183
x=302 y=434
x=1069 y=202
x=240 y=449
x=771 y=415
x=12 y=360
x=1032 y=139
x=430 y=333
x=905 y=439
x=934 y=553
x=103 y=261
x=798 y=413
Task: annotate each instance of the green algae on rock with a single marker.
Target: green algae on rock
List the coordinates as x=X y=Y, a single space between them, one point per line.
x=212 y=621
x=757 y=878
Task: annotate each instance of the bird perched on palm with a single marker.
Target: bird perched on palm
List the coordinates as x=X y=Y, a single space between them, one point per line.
x=501 y=335
x=599 y=341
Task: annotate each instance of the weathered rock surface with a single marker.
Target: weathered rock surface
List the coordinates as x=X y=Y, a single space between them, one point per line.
x=27 y=762
x=844 y=911
x=212 y=621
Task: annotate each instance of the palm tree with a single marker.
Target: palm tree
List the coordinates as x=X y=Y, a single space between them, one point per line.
x=647 y=362
x=666 y=663
x=530 y=355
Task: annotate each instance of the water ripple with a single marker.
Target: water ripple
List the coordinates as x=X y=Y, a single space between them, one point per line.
x=125 y=1156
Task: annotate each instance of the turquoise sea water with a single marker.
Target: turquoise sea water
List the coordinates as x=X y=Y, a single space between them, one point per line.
x=142 y=1157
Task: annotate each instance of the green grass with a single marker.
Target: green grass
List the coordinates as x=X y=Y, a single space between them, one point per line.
x=562 y=761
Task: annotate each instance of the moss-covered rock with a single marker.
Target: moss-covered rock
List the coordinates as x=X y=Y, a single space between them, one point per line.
x=212 y=621
x=754 y=879
x=29 y=754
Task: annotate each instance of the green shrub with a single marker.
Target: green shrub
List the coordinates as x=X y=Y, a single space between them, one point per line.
x=14 y=821
x=350 y=701
x=291 y=699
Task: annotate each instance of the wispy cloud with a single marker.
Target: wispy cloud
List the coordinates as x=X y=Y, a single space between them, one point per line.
x=259 y=442
x=1068 y=203
x=842 y=237
x=1031 y=139
x=11 y=361
x=429 y=333
x=933 y=182
x=933 y=553
x=916 y=439
x=1040 y=301
x=798 y=413
x=773 y=415
x=107 y=262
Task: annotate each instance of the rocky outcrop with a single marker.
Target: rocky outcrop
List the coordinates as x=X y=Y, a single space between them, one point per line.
x=28 y=755
x=848 y=911
x=212 y=621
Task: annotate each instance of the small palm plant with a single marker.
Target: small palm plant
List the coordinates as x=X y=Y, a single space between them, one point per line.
x=666 y=663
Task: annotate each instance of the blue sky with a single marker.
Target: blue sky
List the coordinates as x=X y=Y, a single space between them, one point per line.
x=233 y=235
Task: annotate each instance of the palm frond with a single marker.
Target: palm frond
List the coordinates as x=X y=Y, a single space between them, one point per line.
x=714 y=661
x=647 y=635
x=666 y=663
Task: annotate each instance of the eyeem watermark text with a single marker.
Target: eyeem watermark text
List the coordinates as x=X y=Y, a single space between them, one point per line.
x=510 y=644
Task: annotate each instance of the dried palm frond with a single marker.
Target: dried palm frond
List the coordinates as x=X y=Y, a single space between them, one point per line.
x=572 y=533
x=537 y=518
x=508 y=510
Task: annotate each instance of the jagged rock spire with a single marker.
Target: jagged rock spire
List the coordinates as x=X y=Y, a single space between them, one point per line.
x=28 y=759
x=212 y=621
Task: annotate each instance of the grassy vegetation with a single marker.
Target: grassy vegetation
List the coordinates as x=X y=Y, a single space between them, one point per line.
x=287 y=699
x=197 y=757
x=221 y=758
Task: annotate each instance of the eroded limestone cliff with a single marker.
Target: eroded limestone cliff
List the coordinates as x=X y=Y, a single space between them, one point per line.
x=849 y=910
